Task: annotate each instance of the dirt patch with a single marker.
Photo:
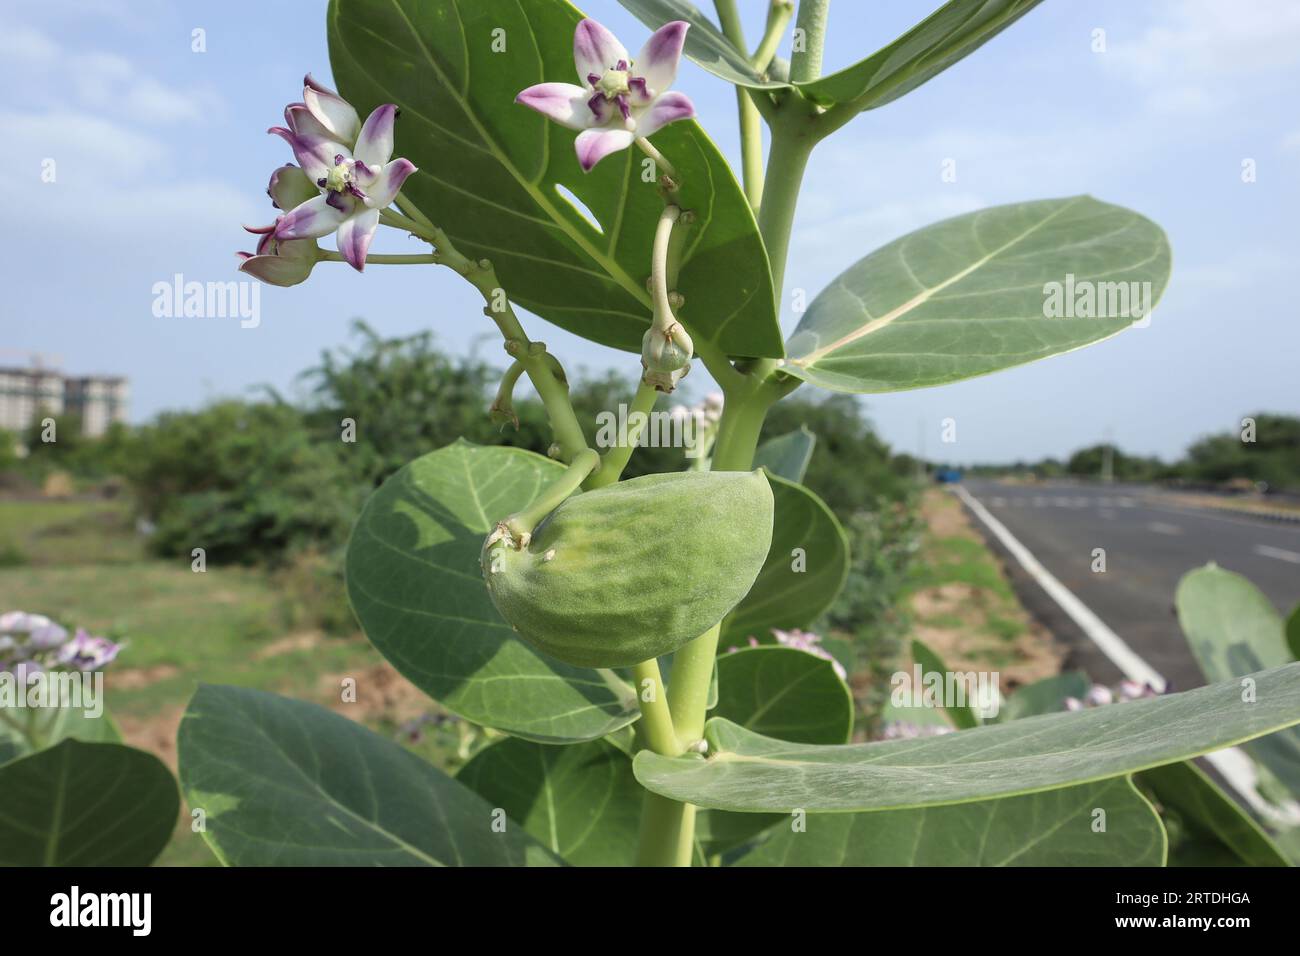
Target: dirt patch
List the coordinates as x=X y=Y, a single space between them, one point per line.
x=975 y=626
x=304 y=641
x=944 y=517
x=136 y=678
x=382 y=696
x=156 y=733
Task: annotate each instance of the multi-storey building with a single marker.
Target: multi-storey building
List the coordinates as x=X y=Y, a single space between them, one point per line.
x=28 y=394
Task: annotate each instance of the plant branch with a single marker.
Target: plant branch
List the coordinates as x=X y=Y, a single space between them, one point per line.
x=531 y=355
x=656 y=724
x=778 y=18
x=806 y=63
x=688 y=694
x=520 y=525
x=327 y=255
x=615 y=459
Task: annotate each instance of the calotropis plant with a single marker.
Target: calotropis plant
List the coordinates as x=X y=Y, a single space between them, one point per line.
x=71 y=793
x=602 y=627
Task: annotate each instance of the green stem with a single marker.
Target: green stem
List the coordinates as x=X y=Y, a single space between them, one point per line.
x=504 y=403
x=688 y=694
x=376 y=259
x=615 y=459
x=412 y=210
x=656 y=724
x=667 y=832
x=778 y=18
x=553 y=393
x=521 y=523
x=661 y=161
x=751 y=148
x=667 y=827
x=751 y=123
x=397 y=221
x=806 y=65
x=663 y=310
x=792 y=145
x=739 y=430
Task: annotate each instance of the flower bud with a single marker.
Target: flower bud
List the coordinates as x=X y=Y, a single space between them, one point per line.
x=666 y=350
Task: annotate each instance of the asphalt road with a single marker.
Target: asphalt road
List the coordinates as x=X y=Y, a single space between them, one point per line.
x=1150 y=542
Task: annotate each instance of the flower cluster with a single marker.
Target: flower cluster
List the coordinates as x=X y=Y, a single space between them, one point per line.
x=343 y=180
x=805 y=641
x=1100 y=695
x=31 y=643
x=622 y=99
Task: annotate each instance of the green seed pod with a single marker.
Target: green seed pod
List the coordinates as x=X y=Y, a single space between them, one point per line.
x=634 y=570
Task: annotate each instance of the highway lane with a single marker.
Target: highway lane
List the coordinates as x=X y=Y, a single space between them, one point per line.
x=1150 y=542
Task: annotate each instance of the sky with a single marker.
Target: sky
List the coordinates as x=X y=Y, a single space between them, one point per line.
x=160 y=153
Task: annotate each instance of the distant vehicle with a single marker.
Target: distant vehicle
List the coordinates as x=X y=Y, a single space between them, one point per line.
x=947 y=476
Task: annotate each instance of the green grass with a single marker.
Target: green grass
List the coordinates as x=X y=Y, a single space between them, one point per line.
x=49 y=533
x=982 y=621
x=951 y=560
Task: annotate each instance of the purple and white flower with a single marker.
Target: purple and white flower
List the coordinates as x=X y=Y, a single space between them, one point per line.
x=32 y=643
x=622 y=99
x=86 y=652
x=282 y=262
x=350 y=166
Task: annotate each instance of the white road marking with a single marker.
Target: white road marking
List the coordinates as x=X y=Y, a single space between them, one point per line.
x=1281 y=554
x=1159 y=527
x=1232 y=764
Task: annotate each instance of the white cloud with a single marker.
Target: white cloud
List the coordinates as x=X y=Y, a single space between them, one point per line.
x=113 y=181
x=1210 y=39
x=98 y=80
x=25 y=45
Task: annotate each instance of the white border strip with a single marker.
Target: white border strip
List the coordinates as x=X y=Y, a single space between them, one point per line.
x=1111 y=644
x=1235 y=767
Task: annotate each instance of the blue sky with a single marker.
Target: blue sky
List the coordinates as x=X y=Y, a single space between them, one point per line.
x=161 y=154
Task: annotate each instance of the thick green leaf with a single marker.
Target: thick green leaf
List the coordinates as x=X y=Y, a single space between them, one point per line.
x=951 y=33
x=1055 y=828
x=786 y=693
x=961 y=715
x=414 y=581
x=791 y=590
x=781 y=692
x=705 y=43
x=581 y=801
x=1046 y=696
x=1233 y=631
x=746 y=771
x=86 y=804
x=787 y=456
x=493 y=173
x=1211 y=830
x=968 y=295
x=286 y=783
